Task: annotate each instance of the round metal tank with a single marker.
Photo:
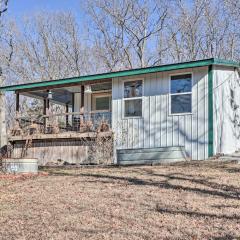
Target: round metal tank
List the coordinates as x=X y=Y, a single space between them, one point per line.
x=21 y=165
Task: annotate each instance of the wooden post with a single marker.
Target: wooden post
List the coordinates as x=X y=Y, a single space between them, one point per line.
x=82 y=107
x=67 y=117
x=17 y=103
x=45 y=113
x=82 y=98
x=73 y=103
x=47 y=105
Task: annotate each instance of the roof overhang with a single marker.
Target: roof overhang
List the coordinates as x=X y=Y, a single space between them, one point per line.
x=103 y=77
x=64 y=95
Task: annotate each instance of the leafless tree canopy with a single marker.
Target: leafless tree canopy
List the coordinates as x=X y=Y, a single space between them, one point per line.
x=3 y=9
x=3 y=6
x=116 y=35
x=126 y=30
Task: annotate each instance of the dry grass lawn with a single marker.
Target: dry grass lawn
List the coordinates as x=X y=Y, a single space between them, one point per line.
x=200 y=200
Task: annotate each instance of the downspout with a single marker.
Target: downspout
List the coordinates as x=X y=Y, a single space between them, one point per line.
x=210 y=111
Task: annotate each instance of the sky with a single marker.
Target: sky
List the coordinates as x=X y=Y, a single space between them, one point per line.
x=19 y=8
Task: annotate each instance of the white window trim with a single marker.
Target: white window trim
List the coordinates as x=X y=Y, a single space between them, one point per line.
x=174 y=94
x=132 y=98
x=99 y=95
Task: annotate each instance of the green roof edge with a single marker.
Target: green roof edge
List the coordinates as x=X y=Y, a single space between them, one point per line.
x=131 y=72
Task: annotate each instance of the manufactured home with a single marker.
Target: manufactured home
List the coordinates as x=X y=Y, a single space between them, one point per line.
x=188 y=110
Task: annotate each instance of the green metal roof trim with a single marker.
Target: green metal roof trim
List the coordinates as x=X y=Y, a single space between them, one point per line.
x=132 y=72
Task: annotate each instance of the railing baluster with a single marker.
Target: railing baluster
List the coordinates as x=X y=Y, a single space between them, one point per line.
x=59 y=121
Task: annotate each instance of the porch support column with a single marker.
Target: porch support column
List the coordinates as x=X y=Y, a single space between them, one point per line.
x=73 y=103
x=45 y=113
x=48 y=106
x=82 y=99
x=67 y=117
x=17 y=103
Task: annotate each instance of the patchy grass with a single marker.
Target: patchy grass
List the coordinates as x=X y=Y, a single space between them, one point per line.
x=198 y=200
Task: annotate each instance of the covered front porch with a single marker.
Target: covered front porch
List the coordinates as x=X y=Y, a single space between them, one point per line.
x=64 y=110
x=72 y=123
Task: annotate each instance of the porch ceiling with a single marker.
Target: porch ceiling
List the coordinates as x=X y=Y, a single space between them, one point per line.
x=64 y=95
x=59 y=96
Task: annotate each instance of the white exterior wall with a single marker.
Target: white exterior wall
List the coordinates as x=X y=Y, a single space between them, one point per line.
x=157 y=128
x=226 y=119
x=87 y=102
x=77 y=102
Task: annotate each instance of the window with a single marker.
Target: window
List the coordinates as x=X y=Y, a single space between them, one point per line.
x=101 y=102
x=181 y=94
x=133 y=92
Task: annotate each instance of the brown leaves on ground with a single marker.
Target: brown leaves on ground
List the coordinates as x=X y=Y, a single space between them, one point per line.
x=21 y=176
x=198 y=200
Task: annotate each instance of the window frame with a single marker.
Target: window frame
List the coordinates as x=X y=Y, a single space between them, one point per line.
x=99 y=95
x=132 y=98
x=177 y=94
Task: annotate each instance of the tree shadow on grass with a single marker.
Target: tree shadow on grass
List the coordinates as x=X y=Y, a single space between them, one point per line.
x=196 y=214
x=229 y=167
x=227 y=237
x=219 y=190
x=196 y=180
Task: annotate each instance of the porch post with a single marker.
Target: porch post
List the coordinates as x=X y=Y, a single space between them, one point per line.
x=17 y=103
x=73 y=103
x=67 y=117
x=45 y=113
x=47 y=105
x=82 y=99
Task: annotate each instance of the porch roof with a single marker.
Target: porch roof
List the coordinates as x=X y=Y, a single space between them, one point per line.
x=107 y=76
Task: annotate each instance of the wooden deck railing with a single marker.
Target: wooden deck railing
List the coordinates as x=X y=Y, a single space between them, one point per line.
x=62 y=122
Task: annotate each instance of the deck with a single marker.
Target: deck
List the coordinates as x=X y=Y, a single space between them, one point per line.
x=67 y=147
x=64 y=135
x=71 y=138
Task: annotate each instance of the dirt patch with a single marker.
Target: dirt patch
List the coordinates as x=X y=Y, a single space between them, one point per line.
x=198 y=200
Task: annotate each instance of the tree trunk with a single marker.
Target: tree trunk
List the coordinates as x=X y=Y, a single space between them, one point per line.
x=3 y=130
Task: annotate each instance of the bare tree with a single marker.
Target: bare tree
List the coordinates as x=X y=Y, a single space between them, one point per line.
x=3 y=9
x=202 y=29
x=48 y=47
x=184 y=30
x=125 y=31
x=3 y=6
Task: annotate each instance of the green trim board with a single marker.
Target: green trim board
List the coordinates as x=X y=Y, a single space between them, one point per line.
x=132 y=72
x=210 y=111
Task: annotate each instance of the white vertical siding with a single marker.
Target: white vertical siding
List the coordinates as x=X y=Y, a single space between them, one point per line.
x=157 y=128
x=226 y=118
x=87 y=102
x=77 y=102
